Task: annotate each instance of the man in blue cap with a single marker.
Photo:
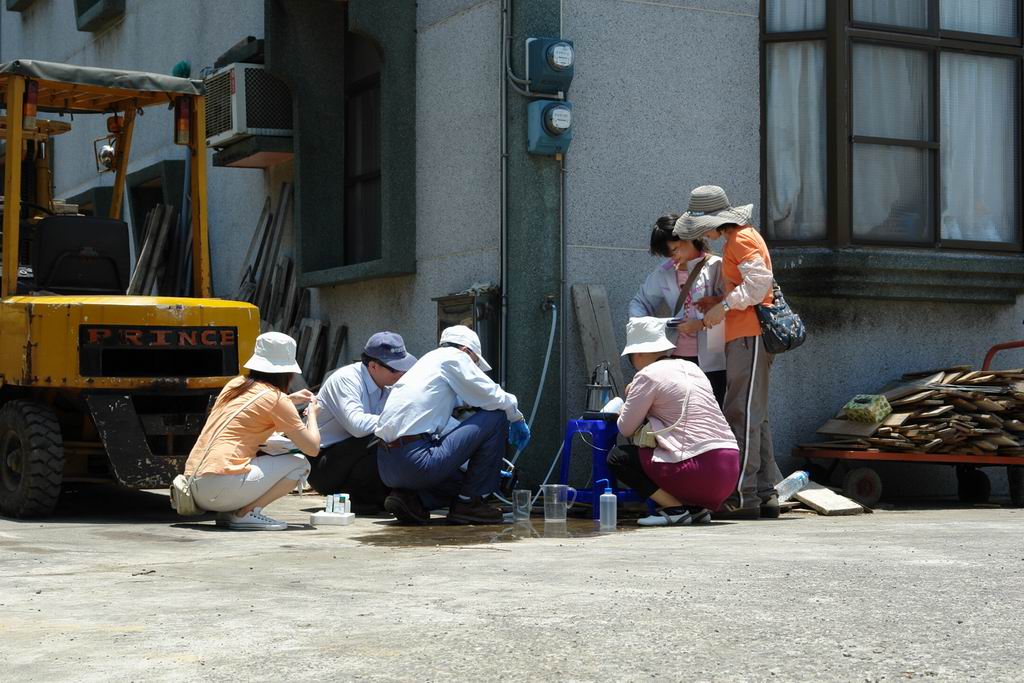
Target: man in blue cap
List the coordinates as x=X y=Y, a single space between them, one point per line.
x=351 y=401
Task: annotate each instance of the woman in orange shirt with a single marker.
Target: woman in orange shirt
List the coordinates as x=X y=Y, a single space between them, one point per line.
x=230 y=478
x=747 y=271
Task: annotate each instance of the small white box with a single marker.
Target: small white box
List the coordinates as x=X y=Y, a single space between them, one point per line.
x=331 y=518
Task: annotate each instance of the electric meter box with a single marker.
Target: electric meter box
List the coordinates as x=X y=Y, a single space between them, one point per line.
x=548 y=127
x=550 y=64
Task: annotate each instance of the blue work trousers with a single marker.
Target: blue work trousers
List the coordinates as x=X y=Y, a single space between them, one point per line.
x=431 y=467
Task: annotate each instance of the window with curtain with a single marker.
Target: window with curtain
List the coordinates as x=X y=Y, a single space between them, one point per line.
x=925 y=123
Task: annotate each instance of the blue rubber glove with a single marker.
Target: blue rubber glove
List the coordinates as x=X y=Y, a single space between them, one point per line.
x=519 y=434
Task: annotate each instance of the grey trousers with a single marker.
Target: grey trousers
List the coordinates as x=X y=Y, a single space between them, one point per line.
x=747 y=366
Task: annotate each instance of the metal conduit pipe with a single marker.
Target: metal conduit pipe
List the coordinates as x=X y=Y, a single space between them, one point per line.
x=506 y=36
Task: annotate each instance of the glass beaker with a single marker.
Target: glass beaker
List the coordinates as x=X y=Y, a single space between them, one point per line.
x=555 y=501
x=522 y=501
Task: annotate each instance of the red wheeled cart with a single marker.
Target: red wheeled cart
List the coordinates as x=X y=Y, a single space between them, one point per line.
x=862 y=483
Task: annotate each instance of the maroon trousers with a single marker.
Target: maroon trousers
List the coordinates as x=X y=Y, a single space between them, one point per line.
x=705 y=480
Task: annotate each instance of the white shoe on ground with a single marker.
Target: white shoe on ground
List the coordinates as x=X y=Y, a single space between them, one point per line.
x=666 y=517
x=256 y=521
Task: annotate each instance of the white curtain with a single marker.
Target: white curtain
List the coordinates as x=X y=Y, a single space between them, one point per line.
x=991 y=17
x=980 y=143
x=906 y=13
x=892 y=98
x=783 y=16
x=795 y=163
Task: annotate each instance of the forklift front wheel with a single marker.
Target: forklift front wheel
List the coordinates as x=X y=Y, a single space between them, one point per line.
x=31 y=459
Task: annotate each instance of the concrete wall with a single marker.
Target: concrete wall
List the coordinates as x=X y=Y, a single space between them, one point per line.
x=666 y=97
x=661 y=106
x=457 y=180
x=654 y=117
x=152 y=36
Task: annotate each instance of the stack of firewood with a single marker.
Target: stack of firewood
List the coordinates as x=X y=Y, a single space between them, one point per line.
x=954 y=410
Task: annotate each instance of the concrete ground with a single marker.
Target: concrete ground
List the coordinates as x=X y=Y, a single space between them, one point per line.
x=117 y=588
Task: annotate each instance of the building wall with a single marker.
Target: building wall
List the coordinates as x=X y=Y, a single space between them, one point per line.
x=666 y=97
x=654 y=117
x=663 y=105
x=457 y=181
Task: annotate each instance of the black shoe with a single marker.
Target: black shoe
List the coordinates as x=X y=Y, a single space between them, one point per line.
x=737 y=513
x=770 y=508
x=474 y=511
x=406 y=507
x=700 y=515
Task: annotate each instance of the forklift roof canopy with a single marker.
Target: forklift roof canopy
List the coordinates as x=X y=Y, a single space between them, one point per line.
x=87 y=89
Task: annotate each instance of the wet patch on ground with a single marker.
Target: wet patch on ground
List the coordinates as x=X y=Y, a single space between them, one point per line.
x=439 y=533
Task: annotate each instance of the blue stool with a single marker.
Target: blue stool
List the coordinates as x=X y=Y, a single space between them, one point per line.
x=602 y=440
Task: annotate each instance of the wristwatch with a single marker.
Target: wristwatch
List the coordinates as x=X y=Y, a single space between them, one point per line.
x=725 y=305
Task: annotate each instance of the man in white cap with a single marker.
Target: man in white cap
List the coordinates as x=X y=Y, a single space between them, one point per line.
x=351 y=400
x=422 y=448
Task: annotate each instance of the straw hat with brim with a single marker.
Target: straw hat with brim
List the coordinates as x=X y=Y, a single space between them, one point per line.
x=460 y=335
x=709 y=209
x=274 y=352
x=646 y=335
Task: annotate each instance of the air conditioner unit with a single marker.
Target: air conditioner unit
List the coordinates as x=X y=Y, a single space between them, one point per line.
x=244 y=100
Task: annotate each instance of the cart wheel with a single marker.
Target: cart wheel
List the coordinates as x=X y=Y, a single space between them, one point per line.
x=973 y=485
x=863 y=485
x=1015 y=476
x=819 y=474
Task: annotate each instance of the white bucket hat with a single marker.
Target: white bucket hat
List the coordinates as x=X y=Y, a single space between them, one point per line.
x=460 y=335
x=710 y=209
x=274 y=352
x=646 y=335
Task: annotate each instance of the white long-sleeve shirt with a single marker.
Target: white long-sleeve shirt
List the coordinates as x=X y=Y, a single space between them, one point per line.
x=423 y=400
x=757 y=282
x=350 y=403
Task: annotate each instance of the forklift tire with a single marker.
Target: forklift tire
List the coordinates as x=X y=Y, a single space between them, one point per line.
x=1015 y=477
x=973 y=485
x=31 y=459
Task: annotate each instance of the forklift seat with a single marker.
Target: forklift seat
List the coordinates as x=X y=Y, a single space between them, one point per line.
x=81 y=255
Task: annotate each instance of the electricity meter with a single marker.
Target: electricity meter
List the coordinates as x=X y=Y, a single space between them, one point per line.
x=550 y=65
x=548 y=127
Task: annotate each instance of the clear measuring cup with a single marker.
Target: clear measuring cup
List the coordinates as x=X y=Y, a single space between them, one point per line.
x=556 y=501
x=522 y=500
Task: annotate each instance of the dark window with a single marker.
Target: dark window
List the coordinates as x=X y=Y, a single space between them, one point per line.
x=160 y=183
x=893 y=122
x=362 y=150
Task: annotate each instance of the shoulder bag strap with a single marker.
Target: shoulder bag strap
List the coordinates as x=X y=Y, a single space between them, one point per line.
x=684 y=291
x=223 y=424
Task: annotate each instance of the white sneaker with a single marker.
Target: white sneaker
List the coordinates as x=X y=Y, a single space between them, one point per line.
x=666 y=518
x=256 y=521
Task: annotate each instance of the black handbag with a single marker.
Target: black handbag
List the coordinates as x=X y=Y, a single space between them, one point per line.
x=781 y=328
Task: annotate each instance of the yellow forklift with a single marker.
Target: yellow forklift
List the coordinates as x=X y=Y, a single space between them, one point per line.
x=96 y=385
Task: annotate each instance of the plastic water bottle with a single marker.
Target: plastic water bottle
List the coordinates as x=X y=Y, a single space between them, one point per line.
x=609 y=507
x=792 y=485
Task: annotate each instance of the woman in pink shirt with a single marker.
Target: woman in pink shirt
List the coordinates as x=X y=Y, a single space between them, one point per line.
x=694 y=466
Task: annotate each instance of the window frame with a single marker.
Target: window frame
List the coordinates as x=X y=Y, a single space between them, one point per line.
x=840 y=34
